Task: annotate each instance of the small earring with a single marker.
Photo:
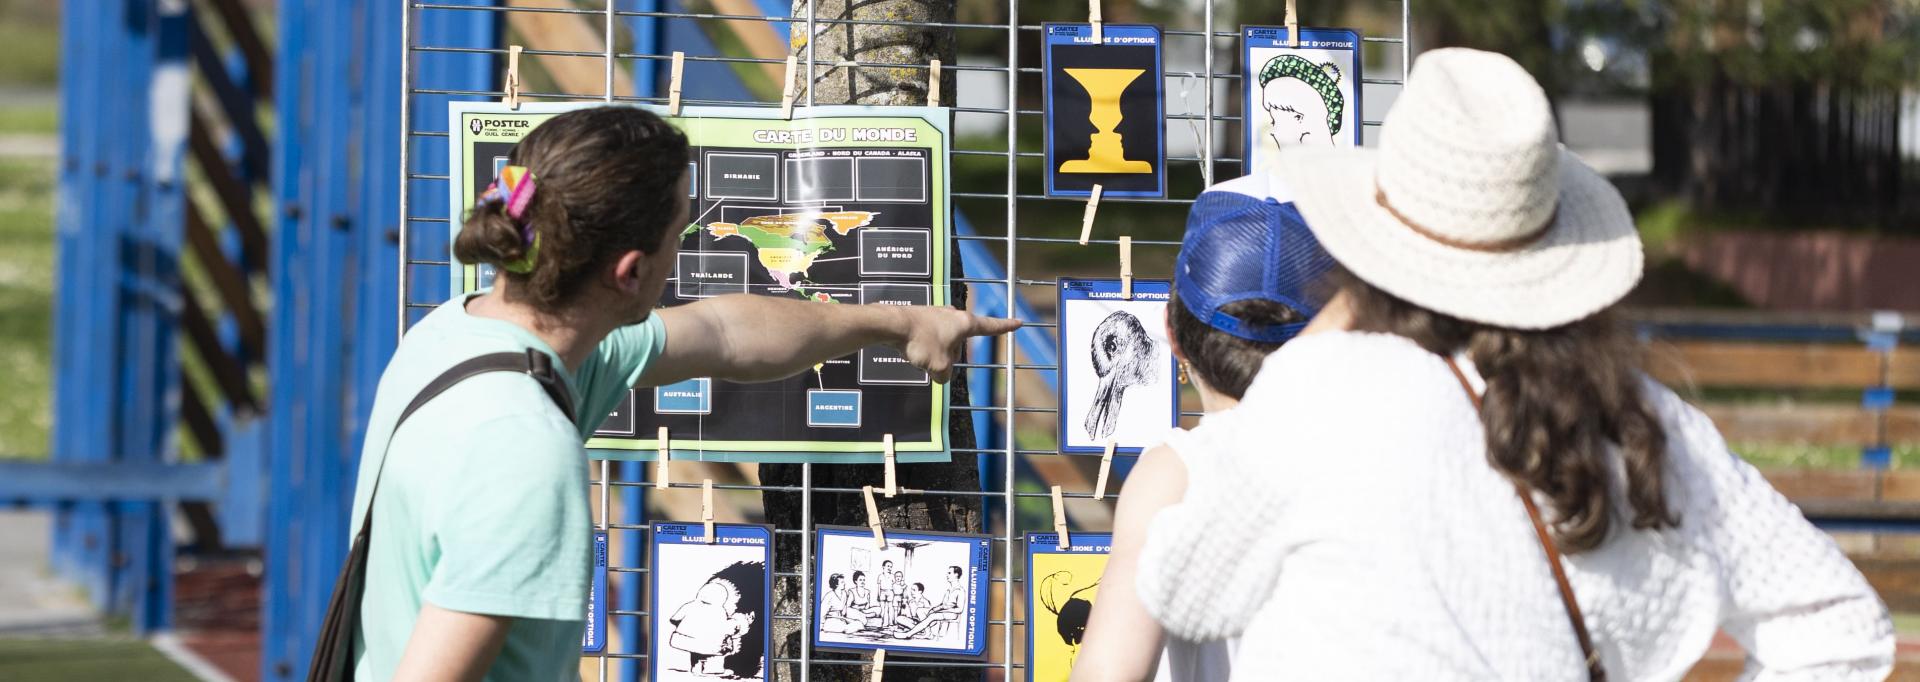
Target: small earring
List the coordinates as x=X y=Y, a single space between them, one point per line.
x=1183 y=373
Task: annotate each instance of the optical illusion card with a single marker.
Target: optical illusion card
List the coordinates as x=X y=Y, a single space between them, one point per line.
x=841 y=205
x=924 y=594
x=1062 y=585
x=712 y=602
x=593 y=639
x=1105 y=104
x=1116 y=366
x=1306 y=95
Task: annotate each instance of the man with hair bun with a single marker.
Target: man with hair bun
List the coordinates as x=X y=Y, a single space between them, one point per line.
x=478 y=562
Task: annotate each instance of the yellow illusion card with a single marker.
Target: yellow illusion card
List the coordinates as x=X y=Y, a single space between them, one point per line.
x=1062 y=587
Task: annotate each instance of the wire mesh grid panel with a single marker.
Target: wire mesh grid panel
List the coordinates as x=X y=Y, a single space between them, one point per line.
x=1010 y=244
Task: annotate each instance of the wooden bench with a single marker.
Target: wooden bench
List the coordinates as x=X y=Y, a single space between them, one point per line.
x=1801 y=380
x=1820 y=364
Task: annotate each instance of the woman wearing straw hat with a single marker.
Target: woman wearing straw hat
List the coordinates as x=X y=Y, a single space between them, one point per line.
x=1477 y=481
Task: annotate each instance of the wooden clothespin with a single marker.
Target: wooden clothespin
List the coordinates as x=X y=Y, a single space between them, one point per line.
x=1093 y=17
x=1086 y=219
x=1293 y=25
x=706 y=507
x=873 y=518
x=893 y=487
x=786 y=88
x=933 y=83
x=673 y=86
x=1060 y=519
x=660 y=461
x=1126 y=268
x=1106 y=467
x=512 y=87
x=879 y=664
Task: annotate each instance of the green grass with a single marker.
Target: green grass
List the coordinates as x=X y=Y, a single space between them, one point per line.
x=34 y=119
x=33 y=47
x=1777 y=456
x=1662 y=225
x=26 y=298
x=105 y=660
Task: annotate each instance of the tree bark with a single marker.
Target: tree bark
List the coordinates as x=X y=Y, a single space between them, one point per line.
x=893 y=39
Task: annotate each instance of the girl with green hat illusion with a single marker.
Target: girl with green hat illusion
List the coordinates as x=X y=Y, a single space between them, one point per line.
x=1302 y=100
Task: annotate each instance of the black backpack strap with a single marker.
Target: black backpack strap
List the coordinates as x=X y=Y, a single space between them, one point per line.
x=532 y=362
x=333 y=656
x=535 y=363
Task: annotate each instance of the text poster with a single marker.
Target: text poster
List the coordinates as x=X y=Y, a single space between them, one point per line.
x=842 y=205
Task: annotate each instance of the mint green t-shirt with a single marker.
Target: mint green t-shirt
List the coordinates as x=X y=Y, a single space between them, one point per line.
x=483 y=506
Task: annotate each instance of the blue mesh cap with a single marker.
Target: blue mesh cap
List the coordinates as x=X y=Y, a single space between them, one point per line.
x=1242 y=243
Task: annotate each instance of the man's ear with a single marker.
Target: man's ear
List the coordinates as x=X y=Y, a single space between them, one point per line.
x=629 y=270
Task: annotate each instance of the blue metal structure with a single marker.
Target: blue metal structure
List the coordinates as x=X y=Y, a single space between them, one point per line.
x=335 y=264
x=119 y=241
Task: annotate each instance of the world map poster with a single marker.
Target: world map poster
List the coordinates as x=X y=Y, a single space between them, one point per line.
x=842 y=205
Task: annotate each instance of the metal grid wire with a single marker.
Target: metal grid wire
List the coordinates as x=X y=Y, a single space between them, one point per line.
x=425 y=258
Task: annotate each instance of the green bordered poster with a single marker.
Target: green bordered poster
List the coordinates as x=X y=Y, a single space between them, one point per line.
x=841 y=205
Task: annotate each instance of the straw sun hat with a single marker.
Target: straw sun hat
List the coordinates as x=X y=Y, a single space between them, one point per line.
x=1469 y=207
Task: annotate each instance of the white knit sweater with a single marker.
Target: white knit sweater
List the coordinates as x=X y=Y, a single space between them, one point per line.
x=1351 y=528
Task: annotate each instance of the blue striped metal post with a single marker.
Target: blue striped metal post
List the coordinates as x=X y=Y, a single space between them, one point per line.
x=83 y=313
x=120 y=227
x=302 y=528
x=144 y=586
x=335 y=261
x=280 y=654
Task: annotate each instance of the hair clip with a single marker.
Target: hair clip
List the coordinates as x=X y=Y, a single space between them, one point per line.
x=514 y=190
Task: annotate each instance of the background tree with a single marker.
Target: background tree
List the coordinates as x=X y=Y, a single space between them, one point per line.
x=890 y=39
x=1788 y=107
x=1787 y=111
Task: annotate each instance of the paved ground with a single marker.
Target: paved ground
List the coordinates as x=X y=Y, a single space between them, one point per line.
x=47 y=629
x=34 y=146
x=32 y=602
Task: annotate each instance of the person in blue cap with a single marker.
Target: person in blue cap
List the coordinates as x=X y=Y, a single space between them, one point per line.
x=1248 y=279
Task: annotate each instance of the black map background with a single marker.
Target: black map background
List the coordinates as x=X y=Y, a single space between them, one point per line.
x=777 y=411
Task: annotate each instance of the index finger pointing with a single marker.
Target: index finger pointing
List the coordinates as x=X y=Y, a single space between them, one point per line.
x=993 y=326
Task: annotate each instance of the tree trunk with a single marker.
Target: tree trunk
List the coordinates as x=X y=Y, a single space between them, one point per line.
x=891 y=40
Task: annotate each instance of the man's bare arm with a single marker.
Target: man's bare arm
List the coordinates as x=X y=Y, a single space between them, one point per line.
x=750 y=338
x=453 y=646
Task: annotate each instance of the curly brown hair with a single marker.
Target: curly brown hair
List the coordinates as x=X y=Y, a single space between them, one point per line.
x=1557 y=404
x=608 y=181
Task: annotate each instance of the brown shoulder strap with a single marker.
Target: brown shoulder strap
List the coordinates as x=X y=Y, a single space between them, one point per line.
x=1594 y=670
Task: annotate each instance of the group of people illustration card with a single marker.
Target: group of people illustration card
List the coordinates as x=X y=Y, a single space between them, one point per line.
x=924 y=593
